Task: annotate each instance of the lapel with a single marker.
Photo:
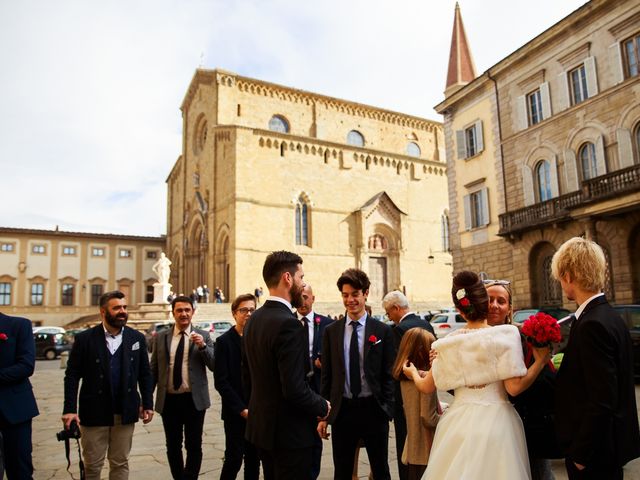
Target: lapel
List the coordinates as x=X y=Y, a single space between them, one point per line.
x=340 y=343
x=368 y=331
x=127 y=343
x=100 y=344
x=590 y=306
x=166 y=339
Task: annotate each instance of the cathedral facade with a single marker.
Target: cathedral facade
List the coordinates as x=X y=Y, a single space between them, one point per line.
x=266 y=167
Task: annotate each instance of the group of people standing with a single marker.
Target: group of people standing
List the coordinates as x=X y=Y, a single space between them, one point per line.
x=288 y=380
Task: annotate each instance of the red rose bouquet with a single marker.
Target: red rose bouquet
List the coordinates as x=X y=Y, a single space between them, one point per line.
x=541 y=330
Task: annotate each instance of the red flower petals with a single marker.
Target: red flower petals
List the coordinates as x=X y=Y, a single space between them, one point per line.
x=465 y=302
x=541 y=330
x=373 y=339
x=3 y=336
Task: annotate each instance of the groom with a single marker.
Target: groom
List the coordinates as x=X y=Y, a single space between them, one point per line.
x=596 y=415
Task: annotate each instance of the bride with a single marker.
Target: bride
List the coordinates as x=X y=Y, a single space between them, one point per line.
x=480 y=436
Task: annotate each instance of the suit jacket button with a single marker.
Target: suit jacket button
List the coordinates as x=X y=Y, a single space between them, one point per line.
x=100 y=392
x=101 y=376
x=132 y=359
x=97 y=360
x=129 y=390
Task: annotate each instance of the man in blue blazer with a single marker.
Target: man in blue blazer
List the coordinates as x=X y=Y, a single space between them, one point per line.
x=313 y=325
x=117 y=388
x=17 y=403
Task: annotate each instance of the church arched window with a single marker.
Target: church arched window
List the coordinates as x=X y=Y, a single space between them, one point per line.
x=413 y=150
x=355 y=138
x=278 y=124
x=302 y=221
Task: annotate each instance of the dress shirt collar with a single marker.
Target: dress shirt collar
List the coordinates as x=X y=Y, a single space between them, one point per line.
x=273 y=298
x=308 y=316
x=405 y=315
x=176 y=331
x=584 y=305
x=108 y=334
x=361 y=320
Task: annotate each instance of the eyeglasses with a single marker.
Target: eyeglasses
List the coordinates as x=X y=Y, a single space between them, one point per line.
x=245 y=310
x=496 y=282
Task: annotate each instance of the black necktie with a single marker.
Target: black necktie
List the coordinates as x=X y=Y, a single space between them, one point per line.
x=177 y=363
x=354 y=362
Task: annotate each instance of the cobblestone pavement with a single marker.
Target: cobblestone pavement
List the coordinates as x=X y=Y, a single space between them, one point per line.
x=148 y=459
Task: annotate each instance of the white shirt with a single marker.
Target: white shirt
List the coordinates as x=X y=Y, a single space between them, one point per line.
x=113 y=341
x=311 y=328
x=175 y=339
x=584 y=305
x=348 y=329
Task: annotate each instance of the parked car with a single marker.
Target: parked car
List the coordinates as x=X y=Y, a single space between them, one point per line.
x=519 y=316
x=48 y=329
x=50 y=345
x=215 y=328
x=151 y=332
x=445 y=323
x=631 y=315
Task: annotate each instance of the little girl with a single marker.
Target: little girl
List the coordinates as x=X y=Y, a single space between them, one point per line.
x=421 y=409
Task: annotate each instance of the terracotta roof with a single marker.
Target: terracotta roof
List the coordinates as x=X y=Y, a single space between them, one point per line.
x=461 y=68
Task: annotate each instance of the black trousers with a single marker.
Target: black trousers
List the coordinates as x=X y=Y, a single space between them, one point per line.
x=286 y=463
x=180 y=418
x=592 y=473
x=400 y=425
x=17 y=449
x=360 y=419
x=237 y=448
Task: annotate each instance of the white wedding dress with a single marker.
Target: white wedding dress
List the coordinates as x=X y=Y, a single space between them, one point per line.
x=480 y=436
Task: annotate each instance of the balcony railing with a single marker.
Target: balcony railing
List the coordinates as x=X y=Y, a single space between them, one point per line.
x=558 y=209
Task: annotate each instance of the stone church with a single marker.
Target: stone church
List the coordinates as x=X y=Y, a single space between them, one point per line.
x=266 y=167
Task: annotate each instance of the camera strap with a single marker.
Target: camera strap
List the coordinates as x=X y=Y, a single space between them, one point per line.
x=67 y=451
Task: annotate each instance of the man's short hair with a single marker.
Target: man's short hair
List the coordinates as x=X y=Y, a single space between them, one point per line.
x=395 y=298
x=356 y=278
x=181 y=299
x=245 y=297
x=583 y=260
x=276 y=264
x=105 y=297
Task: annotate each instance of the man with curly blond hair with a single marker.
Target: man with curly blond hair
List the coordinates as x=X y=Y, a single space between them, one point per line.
x=596 y=415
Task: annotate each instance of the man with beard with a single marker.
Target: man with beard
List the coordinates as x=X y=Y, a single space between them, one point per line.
x=117 y=388
x=283 y=408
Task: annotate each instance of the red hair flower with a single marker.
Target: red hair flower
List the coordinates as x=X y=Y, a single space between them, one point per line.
x=465 y=302
x=3 y=336
x=541 y=330
x=373 y=339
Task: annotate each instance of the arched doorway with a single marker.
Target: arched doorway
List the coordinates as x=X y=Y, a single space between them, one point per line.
x=196 y=257
x=545 y=291
x=383 y=263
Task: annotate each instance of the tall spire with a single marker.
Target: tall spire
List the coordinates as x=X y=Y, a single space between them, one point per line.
x=461 y=68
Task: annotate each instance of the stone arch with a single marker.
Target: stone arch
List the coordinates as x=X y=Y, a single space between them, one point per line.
x=222 y=261
x=196 y=254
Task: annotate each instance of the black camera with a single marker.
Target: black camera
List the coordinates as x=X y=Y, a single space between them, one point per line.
x=72 y=432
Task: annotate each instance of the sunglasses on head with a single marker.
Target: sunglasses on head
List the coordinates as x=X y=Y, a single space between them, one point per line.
x=496 y=282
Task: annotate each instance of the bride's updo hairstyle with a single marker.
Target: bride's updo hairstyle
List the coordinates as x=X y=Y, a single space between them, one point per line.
x=470 y=296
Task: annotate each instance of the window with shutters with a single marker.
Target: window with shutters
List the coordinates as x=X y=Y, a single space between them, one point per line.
x=631 y=55
x=476 y=209
x=534 y=107
x=543 y=180
x=578 y=85
x=588 y=163
x=470 y=141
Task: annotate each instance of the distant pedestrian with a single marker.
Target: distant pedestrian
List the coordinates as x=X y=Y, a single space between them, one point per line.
x=117 y=388
x=218 y=294
x=17 y=403
x=200 y=292
x=257 y=293
x=207 y=293
x=194 y=297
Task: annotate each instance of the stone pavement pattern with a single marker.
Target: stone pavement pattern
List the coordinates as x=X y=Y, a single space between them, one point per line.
x=148 y=459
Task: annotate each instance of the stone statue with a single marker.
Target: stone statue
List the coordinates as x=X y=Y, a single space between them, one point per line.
x=162 y=269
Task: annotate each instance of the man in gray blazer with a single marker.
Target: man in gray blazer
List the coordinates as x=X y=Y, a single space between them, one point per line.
x=178 y=363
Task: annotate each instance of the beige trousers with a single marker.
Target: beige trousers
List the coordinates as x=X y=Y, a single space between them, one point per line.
x=114 y=442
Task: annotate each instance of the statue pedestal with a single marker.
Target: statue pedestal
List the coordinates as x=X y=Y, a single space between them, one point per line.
x=161 y=292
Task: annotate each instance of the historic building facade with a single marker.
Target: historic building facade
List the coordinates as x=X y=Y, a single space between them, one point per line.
x=545 y=145
x=54 y=277
x=266 y=167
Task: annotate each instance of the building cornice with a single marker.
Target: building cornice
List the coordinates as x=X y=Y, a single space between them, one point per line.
x=61 y=233
x=267 y=89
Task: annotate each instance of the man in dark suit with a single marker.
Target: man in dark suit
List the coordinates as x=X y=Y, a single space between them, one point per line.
x=179 y=365
x=357 y=358
x=283 y=410
x=228 y=382
x=17 y=403
x=112 y=362
x=596 y=415
x=396 y=306
x=313 y=324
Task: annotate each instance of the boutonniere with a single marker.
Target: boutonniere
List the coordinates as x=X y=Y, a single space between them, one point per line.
x=316 y=320
x=3 y=337
x=373 y=340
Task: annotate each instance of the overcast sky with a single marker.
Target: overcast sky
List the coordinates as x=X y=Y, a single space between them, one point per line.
x=90 y=91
